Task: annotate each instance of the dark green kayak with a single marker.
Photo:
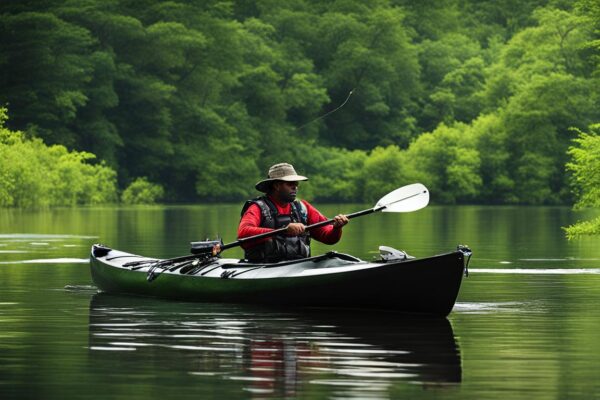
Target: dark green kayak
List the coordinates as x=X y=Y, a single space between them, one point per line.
x=414 y=285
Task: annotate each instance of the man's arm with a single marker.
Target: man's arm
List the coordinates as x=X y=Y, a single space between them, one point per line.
x=250 y=224
x=328 y=234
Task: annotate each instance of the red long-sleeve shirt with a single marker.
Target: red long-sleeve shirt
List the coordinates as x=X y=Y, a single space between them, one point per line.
x=250 y=223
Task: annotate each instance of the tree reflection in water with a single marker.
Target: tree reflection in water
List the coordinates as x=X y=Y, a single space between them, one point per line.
x=269 y=351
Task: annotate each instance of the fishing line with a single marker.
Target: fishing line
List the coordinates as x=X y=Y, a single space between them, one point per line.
x=329 y=113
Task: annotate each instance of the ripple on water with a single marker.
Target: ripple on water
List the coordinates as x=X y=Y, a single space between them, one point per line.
x=200 y=348
x=558 y=259
x=49 y=261
x=258 y=390
x=205 y=373
x=486 y=308
x=536 y=271
x=373 y=373
x=361 y=351
x=26 y=243
x=112 y=348
x=81 y=288
x=250 y=378
x=131 y=344
x=345 y=382
x=40 y=236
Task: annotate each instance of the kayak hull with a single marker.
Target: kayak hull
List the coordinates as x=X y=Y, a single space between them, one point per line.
x=426 y=285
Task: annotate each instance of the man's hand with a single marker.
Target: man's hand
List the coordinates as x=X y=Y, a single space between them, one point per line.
x=339 y=221
x=295 y=229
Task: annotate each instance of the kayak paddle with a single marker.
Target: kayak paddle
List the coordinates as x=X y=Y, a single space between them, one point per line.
x=405 y=199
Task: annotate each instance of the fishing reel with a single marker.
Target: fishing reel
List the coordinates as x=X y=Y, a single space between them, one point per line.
x=206 y=247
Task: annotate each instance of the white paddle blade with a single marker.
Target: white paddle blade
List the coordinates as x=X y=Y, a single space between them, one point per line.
x=405 y=199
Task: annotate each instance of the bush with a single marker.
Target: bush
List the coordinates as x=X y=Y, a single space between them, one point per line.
x=585 y=167
x=581 y=228
x=34 y=175
x=447 y=162
x=141 y=191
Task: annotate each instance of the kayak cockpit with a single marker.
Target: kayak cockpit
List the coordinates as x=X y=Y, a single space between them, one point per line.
x=314 y=259
x=216 y=267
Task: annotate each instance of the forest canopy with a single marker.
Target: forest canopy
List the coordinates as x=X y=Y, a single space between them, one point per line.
x=476 y=99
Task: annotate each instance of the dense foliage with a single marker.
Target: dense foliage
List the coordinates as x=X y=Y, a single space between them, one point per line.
x=142 y=192
x=35 y=175
x=585 y=166
x=474 y=98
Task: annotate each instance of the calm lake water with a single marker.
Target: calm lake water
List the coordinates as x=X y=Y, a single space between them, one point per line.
x=526 y=324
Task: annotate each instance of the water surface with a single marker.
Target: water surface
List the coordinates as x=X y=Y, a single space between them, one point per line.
x=525 y=325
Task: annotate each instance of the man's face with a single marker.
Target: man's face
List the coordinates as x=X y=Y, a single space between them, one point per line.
x=286 y=191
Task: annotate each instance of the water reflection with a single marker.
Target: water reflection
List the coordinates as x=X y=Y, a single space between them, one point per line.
x=272 y=352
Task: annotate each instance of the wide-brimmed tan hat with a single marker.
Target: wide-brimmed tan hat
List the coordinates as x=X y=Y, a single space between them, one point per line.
x=279 y=172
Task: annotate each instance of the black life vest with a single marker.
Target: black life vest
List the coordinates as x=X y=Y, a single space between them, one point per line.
x=279 y=247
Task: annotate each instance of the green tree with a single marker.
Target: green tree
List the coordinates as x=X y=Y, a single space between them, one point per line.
x=498 y=186
x=45 y=71
x=585 y=169
x=335 y=174
x=540 y=87
x=448 y=163
x=431 y=19
x=364 y=46
x=383 y=170
x=201 y=97
x=537 y=120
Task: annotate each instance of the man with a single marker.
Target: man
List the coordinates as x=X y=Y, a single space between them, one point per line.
x=279 y=208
